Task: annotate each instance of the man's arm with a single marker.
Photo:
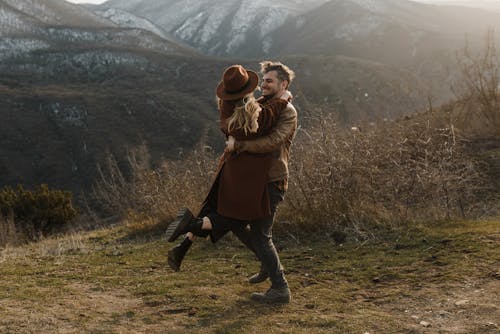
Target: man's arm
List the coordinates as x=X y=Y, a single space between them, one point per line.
x=286 y=125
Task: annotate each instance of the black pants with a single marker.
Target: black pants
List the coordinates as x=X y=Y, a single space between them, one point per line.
x=261 y=235
x=259 y=238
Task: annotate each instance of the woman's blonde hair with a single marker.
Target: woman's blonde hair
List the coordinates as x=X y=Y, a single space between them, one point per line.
x=245 y=116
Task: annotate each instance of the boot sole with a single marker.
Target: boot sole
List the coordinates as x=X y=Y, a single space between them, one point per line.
x=257 y=280
x=176 y=228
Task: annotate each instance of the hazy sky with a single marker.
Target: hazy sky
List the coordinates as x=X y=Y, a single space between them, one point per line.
x=86 y=1
x=436 y=1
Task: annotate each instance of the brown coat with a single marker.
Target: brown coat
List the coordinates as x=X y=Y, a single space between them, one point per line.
x=277 y=143
x=239 y=190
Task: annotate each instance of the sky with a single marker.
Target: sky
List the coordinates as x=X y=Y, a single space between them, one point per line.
x=87 y=1
x=101 y=1
x=431 y=1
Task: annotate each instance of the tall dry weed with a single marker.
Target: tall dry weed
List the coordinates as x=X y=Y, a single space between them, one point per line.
x=478 y=89
x=384 y=175
x=378 y=176
x=9 y=234
x=144 y=193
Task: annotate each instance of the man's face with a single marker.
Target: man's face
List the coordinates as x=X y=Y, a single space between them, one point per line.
x=271 y=86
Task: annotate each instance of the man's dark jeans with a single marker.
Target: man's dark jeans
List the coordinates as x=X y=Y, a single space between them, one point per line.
x=261 y=236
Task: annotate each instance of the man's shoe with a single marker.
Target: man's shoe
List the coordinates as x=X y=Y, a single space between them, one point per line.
x=180 y=225
x=273 y=296
x=176 y=254
x=261 y=276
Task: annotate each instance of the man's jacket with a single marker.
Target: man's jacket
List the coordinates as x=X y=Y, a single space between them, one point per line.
x=278 y=143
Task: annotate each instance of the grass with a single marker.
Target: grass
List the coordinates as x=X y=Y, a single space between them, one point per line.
x=115 y=280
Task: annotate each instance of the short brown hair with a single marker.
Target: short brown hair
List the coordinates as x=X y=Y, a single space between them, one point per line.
x=283 y=71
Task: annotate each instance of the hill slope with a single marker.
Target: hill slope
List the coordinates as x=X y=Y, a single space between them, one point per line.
x=62 y=111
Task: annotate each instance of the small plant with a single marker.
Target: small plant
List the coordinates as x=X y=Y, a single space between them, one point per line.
x=37 y=212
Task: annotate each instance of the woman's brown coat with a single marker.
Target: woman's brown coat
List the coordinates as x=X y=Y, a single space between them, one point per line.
x=239 y=190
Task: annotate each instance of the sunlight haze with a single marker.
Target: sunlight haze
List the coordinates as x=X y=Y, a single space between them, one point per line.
x=87 y=1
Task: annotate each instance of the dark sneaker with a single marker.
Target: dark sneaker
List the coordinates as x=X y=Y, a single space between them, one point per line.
x=180 y=225
x=261 y=276
x=273 y=296
x=176 y=254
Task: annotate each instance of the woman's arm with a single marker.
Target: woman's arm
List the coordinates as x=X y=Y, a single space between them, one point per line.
x=285 y=127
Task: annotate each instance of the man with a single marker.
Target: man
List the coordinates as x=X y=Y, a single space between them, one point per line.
x=276 y=80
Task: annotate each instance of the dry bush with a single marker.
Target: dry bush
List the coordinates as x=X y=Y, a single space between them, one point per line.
x=143 y=193
x=9 y=234
x=478 y=89
x=358 y=180
x=32 y=214
x=386 y=175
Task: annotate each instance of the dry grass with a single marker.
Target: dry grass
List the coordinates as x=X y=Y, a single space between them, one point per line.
x=360 y=181
x=445 y=275
x=8 y=231
x=384 y=175
x=142 y=193
x=49 y=247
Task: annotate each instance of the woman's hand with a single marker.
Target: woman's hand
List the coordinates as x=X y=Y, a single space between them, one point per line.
x=287 y=96
x=230 y=144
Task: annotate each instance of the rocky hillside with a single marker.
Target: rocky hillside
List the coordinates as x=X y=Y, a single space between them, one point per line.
x=238 y=28
x=391 y=31
x=40 y=25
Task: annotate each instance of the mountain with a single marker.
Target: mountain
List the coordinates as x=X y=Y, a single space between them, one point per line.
x=72 y=93
x=395 y=32
x=419 y=37
x=237 y=28
x=74 y=86
x=48 y=12
x=492 y=5
x=401 y=33
x=35 y=25
x=125 y=19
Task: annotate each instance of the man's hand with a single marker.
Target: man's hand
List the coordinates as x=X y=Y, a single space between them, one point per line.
x=287 y=96
x=230 y=144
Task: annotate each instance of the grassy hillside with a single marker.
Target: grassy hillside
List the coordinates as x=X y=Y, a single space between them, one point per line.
x=430 y=279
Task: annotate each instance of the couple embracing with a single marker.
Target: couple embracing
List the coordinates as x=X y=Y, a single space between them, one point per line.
x=252 y=175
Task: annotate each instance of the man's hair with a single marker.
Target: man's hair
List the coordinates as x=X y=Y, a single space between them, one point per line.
x=283 y=71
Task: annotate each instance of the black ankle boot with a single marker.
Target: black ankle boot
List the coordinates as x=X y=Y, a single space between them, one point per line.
x=185 y=222
x=177 y=253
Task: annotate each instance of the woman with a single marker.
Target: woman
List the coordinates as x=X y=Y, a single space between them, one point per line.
x=239 y=193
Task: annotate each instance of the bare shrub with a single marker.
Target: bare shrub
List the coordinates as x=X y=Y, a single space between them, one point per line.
x=357 y=180
x=479 y=87
x=9 y=234
x=384 y=175
x=143 y=193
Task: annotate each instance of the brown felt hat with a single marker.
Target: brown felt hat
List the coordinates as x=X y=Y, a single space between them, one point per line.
x=236 y=83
